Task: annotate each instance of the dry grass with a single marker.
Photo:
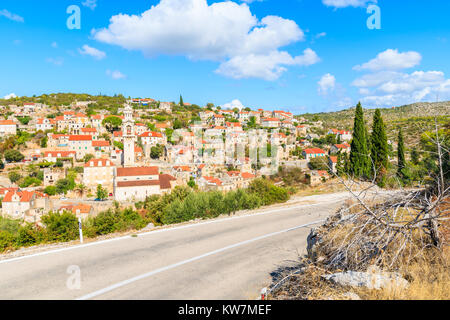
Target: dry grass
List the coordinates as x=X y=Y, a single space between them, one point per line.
x=423 y=265
x=429 y=280
x=326 y=188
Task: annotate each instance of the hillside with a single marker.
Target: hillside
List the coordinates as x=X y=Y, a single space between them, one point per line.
x=414 y=119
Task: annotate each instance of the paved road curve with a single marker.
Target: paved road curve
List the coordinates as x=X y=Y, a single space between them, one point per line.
x=229 y=258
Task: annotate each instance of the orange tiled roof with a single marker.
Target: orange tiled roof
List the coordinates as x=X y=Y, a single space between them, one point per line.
x=137 y=171
x=80 y=137
x=100 y=143
x=314 y=151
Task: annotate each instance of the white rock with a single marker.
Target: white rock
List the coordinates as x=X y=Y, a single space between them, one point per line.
x=369 y=280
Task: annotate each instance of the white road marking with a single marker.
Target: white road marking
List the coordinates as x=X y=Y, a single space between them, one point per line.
x=165 y=230
x=172 y=266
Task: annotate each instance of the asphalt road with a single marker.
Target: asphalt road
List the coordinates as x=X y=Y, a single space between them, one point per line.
x=229 y=258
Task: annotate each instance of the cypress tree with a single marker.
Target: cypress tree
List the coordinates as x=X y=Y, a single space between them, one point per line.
x=181 y=101
x=359 y=155
x=341 y=163
x=379 y=145
x=401 y=153
x=415 y=156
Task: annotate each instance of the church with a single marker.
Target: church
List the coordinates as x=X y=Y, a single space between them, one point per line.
x=131 y=182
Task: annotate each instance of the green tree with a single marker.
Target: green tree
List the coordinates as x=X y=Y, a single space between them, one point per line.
x=359 y=155
x=64 y=185
x=88 y=157
x=14 y=177
x=13 y=156
x=415 y=156
x=60 y=227
x=379 y=145
x=112 y=123
x=51 y=190
x=402 y=171
x=191 y=183
x=177 y=124
x=331 y=139
x=44 y=141
x=341 y=163
x=102 y=193
x=181 y=101
x=319 y=163
x=156 y=151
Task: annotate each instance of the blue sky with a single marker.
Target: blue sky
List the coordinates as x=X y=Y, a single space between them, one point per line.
x=297 y=55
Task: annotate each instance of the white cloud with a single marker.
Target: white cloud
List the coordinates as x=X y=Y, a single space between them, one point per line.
x=11 y=16
x=226 y=32
x=264 y=66
x=385 y=85
x=10 y=96
x=91 y=4
x=326 y=84
x=391 y=60
x=54 y=45
x=93 y=52
x=347 y=3
x=56 y=61
x=397 y=88
x=115 y=74
x=320 y=35
x=233 y=104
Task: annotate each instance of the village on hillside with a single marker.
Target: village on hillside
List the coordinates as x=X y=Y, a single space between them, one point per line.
x=72 y=161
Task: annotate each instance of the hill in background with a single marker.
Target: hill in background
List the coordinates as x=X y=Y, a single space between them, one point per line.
x=414 y=119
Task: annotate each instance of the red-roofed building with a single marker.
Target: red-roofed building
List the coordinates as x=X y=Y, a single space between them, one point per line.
x=26 y=205
x=99 y=171
x=53 y=156
x=270 y=122
x=162 y=126
x=333 y=160
x=45 y=124
x=138 y=183
x=8 y=127
x=91 y=132
x=152 y=138
x=313 y=153
x=343 y=148
x=81 y=144
x=101 y=146
x=344 y=135
x=218 y=119
x=82 y=211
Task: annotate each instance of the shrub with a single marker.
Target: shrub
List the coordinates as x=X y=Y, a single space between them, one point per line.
x=105 y=222
x=27 y=236
x=9 y=225
x=60 y=227
x=268 y=192
x=14 y=177
x=13 y=156
x=130 y=219
x=28 y=181
x=51 y=190
x=6 y=241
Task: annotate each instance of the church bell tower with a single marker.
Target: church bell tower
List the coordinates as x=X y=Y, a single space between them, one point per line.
x=129 y=137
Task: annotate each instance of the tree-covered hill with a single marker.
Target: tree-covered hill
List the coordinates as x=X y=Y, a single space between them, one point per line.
x=414 y=119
